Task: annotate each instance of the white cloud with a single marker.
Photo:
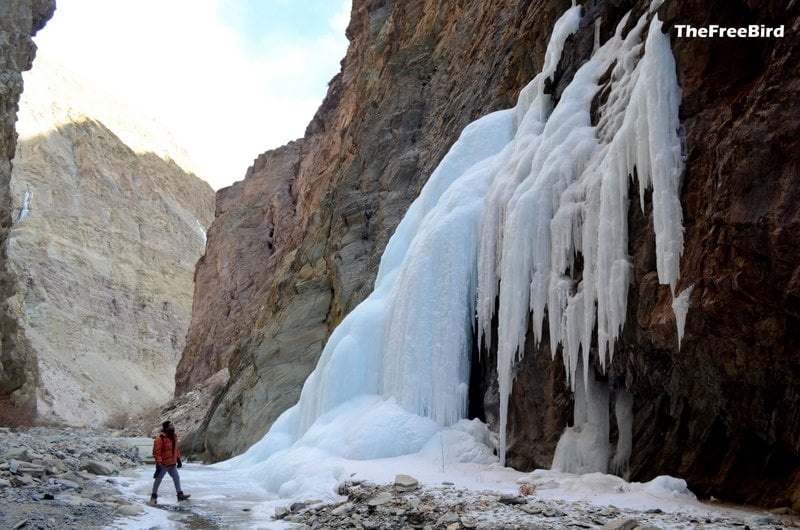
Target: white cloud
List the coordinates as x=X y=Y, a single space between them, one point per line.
x=177 y=62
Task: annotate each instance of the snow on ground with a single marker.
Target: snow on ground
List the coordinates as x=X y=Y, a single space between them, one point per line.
x=225 y=497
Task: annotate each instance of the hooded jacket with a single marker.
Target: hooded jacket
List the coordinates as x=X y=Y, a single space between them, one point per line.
x=164 y=451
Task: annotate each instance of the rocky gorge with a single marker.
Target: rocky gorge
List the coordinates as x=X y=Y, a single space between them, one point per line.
x=97 y=293
x=296 y=245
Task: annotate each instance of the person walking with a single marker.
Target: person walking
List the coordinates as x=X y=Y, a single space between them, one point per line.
x=168 y=460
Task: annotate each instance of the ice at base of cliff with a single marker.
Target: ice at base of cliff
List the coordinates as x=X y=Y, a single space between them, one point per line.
x=517 y=197
x=239 y=499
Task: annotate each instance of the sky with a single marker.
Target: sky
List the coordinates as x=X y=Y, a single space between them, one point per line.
x=228 y=78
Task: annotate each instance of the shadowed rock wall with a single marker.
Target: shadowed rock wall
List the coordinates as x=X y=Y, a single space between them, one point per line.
x=19 y=21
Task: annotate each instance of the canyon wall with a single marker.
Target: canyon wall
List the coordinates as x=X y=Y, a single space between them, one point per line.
x=19 y=21
x=296 y=245
x=104 y=244
x=311 y=219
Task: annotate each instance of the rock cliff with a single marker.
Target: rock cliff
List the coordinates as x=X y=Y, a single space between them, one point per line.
x=314 y=216
x=19 y=21
x=720 y=411
x=104 y=244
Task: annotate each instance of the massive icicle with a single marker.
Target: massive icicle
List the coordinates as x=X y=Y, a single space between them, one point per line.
x=574 y=201
x=504 y=215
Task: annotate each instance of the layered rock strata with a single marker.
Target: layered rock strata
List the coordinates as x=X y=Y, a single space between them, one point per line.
x=104 y=245
x=720 y=411
x=19 y=21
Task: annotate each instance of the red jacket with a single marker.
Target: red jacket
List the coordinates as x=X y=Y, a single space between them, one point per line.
x=164 y=451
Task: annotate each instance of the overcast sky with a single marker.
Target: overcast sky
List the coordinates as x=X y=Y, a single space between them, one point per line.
x=228 y=78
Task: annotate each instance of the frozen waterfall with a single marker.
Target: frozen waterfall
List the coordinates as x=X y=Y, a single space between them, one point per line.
x=567 y=196
x=516 y=199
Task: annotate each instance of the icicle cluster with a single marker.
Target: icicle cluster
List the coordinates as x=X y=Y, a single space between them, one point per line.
x=565 y=194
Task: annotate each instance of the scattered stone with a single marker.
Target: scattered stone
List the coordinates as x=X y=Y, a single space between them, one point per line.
x=447 y=519
x=100 y=468
x=468 y=522
x=22 y=481
x=68 y=484
x=281 y=512
x=15 y=453
x=511 y=500
x=297 y=506
x=761 y=519
x=533 y=508
x=381 y=499
x=130 y=510
x=405 y=483
x=621 y=524
x=342 y=509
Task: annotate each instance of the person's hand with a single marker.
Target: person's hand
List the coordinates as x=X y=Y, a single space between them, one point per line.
x=180 y=464
x=159 y=467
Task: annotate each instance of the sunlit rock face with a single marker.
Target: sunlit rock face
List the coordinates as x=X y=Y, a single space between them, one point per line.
x=19 y=21
x=721 y=410
x=104 y=244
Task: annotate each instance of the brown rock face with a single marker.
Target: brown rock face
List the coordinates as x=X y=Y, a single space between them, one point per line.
x=19 y=21
x=721 y=412
x=236 y=271
x=724 y=411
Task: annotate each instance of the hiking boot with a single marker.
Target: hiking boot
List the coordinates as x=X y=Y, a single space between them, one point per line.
x=182 y=496
x=153 y=499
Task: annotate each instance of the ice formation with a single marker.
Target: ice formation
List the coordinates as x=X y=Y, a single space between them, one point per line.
x=520 y=195
x=201 y=231
x=26 y=200
x=680 y=306
x=568 y=197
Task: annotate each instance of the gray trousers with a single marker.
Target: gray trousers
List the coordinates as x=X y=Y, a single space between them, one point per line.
x=173 y=472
